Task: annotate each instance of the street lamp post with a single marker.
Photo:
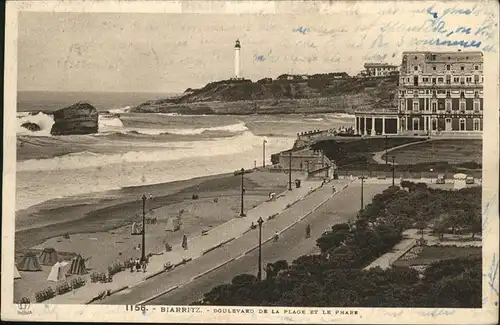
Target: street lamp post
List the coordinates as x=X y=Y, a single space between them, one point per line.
x=386 y=150
x=143 y=255
x=290 y=171
x=393 y=169
x=362 y=182
x=264 y=153
x=259 y=273
x=242 y=214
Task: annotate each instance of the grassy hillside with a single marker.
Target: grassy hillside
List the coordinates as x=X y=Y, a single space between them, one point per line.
x=319 y=95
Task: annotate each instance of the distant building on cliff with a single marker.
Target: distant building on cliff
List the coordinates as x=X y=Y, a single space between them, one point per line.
x=379 y=69
x=439 y=92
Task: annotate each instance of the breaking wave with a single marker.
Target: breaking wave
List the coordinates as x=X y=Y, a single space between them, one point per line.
x=177 y=150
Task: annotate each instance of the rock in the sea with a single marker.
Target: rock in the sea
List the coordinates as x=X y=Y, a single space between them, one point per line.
x=31 y=126
x=80 y=118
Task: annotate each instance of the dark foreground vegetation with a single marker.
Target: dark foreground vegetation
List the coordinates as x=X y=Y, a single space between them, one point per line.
x=335 y=277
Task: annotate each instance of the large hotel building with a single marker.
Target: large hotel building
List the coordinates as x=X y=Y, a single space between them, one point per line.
x=439 y=92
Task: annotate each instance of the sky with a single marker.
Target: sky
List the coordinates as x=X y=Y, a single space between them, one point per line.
x=162 y=52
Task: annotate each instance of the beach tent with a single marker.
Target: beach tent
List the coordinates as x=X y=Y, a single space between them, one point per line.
x=48 y=257
x=77 y=266
x=29 y=262
x=17 y=275
x=57 y=273
x=459 y=181
x=173 y=224
x=87 y=263
x=136 y=229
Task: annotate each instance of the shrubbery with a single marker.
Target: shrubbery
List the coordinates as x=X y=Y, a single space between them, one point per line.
x=63 y=288
x=44 y=295
x=115 y=268
x=98 y=277
x=77 y=283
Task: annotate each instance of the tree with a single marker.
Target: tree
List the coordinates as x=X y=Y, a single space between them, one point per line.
x=421 y=224
x=476 y=227
x=440 y=226
x=272 y=269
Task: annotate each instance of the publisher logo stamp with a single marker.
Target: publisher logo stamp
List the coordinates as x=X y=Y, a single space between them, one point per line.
x=24 y=308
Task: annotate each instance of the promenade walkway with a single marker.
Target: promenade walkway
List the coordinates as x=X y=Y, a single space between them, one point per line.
x=197 y=246
x=385 y=261
x=377 y=156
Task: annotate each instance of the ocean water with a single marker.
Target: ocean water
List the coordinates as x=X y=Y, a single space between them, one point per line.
x=137 y=149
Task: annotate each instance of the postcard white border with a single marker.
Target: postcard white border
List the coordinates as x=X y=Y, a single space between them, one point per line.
x=41 y=312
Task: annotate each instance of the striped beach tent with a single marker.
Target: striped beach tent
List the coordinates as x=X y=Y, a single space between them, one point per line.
x=78 y=266
x=29 y=262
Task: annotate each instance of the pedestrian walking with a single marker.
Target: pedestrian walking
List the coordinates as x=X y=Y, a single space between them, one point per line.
x=308 y=231
x=276 y=236
x=184 y=242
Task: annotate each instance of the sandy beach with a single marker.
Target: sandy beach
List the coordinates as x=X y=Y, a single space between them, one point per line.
x=100 y=224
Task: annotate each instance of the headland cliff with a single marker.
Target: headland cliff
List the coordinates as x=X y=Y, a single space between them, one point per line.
x=288 y=94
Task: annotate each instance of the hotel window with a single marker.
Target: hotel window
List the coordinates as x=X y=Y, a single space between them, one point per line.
x=434 y=107
x=476 y=105
x=434 y=68
x=433 y=81
x=407 y=79
x=448 y=67
x=448 y=79
x=476 y=94
x=434 y=124
x=402 y=105
x=448 y=94
x=425 y=79
x=468 y=79
x=433 y=57
x=476 y=67
x=462 y=68
x=440 y=80
x=448 y=105
x=477 y=125
x=462 y=124
x=427 y=92
x=416 y=68
x=462 y=105
x=415 y=106
x=462 y=81
x=441 y=106
x=476 y=79
x=456 y=80
x=462 y=94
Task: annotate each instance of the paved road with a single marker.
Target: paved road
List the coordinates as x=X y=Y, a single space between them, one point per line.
x=291 y=245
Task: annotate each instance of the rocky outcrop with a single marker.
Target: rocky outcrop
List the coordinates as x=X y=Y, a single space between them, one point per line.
x=31 y=126
x=80 y=118
x=321 y=94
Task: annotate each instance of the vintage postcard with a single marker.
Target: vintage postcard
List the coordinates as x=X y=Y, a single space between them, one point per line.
x=251 y=162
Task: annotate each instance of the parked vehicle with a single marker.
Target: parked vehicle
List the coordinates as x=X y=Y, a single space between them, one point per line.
x=469 y=180
x=440 y=179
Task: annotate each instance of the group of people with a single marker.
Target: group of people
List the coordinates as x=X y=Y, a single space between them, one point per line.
x=137 y=265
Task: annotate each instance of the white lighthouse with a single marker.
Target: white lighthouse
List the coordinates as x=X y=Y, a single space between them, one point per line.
x=237 y=48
